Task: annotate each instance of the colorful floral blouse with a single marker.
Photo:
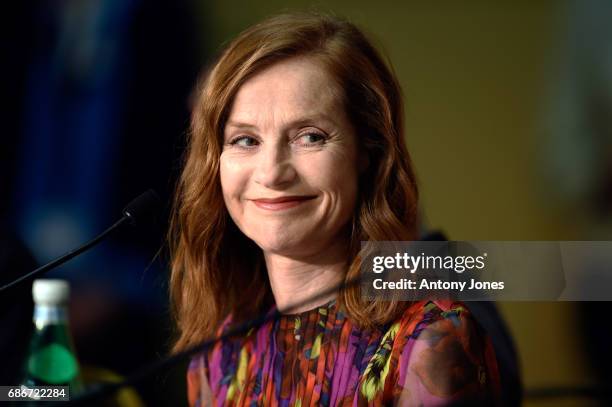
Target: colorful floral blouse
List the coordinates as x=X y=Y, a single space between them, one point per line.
x=435 y=354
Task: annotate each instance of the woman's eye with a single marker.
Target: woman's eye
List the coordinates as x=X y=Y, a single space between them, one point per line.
x=244 y=141
x=311 y=139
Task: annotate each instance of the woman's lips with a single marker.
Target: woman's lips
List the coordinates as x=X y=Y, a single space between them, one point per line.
x=281 y=203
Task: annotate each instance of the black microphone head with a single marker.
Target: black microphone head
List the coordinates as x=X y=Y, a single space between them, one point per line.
x=143 y=209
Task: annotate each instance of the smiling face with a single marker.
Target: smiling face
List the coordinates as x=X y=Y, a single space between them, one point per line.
x=289 y=161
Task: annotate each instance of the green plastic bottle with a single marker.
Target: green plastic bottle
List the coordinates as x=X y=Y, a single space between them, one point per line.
x=52 y=360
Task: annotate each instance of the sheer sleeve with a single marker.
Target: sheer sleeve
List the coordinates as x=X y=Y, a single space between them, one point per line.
x=447 y=359
x=198 y=389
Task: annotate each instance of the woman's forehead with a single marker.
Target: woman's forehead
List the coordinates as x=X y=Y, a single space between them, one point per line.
x=289 y=89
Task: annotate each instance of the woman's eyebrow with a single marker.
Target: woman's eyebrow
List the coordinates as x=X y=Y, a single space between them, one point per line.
x=299 y=122
x=307 y=120
x=240 y=125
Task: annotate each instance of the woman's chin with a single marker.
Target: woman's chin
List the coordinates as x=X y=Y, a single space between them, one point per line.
x=282 y=247
x=278 y=248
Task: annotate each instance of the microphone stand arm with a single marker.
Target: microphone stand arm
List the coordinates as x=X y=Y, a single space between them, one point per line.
x=63 y=259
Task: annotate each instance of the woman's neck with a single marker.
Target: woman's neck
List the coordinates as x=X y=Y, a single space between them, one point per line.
x=295 y=281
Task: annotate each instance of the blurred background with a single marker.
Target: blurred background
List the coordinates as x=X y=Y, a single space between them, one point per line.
x=509 y=122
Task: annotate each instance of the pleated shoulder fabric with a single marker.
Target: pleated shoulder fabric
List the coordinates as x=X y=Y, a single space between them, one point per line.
x=434 y=355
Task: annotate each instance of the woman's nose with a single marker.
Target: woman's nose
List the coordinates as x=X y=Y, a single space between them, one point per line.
x=274 y=167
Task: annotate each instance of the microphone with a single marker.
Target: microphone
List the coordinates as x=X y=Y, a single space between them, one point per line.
x=143 y=209
x=140 y=211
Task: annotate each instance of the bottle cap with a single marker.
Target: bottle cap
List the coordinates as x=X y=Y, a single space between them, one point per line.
x=50 y=291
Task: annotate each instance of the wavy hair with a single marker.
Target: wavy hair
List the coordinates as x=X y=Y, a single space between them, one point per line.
x=215 y=269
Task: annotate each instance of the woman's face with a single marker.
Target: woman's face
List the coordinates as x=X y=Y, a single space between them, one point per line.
x=289 y=161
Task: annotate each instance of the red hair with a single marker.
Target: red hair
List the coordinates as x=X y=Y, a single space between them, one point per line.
x=216 y=270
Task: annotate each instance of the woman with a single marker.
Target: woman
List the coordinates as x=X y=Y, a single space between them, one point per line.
x=296 y=155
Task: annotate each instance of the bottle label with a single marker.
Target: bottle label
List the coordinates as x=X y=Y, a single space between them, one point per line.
x=53 y=364
x=48 y=314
